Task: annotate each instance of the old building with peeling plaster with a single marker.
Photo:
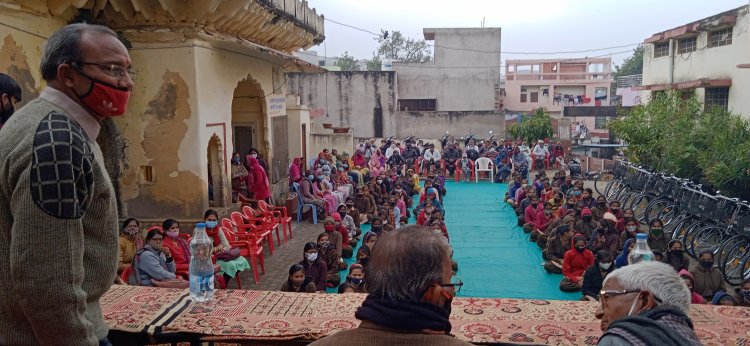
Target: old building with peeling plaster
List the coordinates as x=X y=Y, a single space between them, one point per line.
x=210 y=78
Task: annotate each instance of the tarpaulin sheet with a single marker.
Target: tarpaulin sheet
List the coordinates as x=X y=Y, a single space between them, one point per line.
x=495 y=257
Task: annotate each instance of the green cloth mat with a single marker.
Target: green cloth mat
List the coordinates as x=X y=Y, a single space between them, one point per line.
x=495 y=258
x=232 y=267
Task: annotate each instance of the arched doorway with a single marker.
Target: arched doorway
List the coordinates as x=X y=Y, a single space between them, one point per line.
x=218 y=194
x=249 y=118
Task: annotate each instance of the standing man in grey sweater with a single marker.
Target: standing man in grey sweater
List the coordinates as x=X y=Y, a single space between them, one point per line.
x=58 y=215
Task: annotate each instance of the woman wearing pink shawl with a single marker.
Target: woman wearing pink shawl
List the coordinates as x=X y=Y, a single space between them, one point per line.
x=322 y=188
x=375 y=165
x=260 y=187
x=295 y=170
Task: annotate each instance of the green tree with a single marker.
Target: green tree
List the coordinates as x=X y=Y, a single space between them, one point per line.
x=374 y=64
x=631 y=65
x=398 y=47
x=533 y=127
x=347 y=62
x=679 y=136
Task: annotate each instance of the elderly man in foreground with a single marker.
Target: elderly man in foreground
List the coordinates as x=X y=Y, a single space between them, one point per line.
x=411 y=288
x=645 y=304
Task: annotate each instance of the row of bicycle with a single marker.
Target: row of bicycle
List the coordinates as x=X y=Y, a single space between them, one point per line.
x=701 y=219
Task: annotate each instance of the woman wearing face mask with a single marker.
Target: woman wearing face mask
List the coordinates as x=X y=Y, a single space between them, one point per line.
x=676 y=257
x=598 y=210
x=695 y=298
x=260 y=186
x=314 y=266
x=708 y=277
x=587 y=224
x=575 y=262
x=327 y=254
x=180 y=250
x=622 y=259
x=348 y=222
x=656 y=238
x=356 y=277
x=154 y=264
x=129 y=242
x=594 y=275
x=605 y=237
x=376 y=225
x=321 y=188
x=295 y=170
x=627 y=214
x=308 y=194
x=631 y=229
x=229 y=268
x=570 y=204
x=556 y=248
x=363 y=256
x=298 y=281
x=239 y=178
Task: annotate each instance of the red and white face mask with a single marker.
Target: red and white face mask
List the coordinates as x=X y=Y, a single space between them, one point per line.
x=106 y=100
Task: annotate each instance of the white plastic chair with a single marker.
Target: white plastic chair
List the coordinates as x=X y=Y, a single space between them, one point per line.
x=483 y=164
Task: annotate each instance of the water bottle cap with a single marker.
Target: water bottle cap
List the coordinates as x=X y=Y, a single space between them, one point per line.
x=641 y=236
x=200 y=225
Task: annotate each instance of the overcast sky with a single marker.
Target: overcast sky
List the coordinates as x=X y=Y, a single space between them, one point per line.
x=527 y=25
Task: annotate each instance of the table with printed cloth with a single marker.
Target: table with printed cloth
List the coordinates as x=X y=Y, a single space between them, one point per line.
x=243 y=316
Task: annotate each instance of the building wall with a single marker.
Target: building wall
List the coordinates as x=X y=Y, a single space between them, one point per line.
x=434 y=124
x=460 y=80
x=353 y=99
x=183 y=98
x=709 y=63
x=572 y=77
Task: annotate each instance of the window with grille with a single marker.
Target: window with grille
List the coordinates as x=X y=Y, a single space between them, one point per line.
x=523 y=98
x=717 y=97
x=534 y=96
x=720 y=38
x=661 y=49
x=687 y=45
x=600 y=122
x=417 y=105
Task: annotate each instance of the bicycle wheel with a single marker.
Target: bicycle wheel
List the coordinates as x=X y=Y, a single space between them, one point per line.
x=668 y=214
x=639 y=205
x=612 y=187
x=654 y=207
x=707 y=238
x=604 y=179
x=680 y=227
x=723 y=252
x=735 y=263
x=690 y=233
x=622 y=192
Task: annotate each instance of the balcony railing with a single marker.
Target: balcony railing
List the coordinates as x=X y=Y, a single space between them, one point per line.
x=630 y=81
x=561 y=76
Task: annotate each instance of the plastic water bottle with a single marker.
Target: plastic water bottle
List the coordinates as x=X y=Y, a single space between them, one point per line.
x=201 y=267
x=641 y=252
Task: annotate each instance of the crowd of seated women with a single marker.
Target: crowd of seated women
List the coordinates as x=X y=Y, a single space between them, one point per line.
x=585 y=237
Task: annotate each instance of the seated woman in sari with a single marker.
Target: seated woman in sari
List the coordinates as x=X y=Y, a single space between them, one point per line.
x=180 y=250
x=376 y=167
x=230 y=268
x=130 y=241
x=322 y=188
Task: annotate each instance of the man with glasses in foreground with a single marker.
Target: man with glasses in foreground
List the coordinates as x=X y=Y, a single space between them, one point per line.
x=645 y=304
x=411 y=287
x=58 y=213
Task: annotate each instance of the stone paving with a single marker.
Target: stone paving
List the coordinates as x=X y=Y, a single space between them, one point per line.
x=277 y=265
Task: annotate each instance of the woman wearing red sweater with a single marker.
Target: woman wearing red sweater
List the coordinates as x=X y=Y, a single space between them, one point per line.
x=575 y=262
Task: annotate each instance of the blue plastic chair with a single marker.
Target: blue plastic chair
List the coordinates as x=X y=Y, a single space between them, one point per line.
x=301 y=206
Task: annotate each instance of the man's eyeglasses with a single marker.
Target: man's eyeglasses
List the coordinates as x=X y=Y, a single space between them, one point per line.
x=113 y=70
x=455 y=283
x=606 y=294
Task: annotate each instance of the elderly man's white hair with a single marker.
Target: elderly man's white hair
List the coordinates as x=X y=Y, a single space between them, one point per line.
x=658 y=278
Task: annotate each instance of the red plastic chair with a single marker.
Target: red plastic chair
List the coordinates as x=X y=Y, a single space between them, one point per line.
x=255 y=226
x=247 y=250
x=125 y=275
x=279 y=215
x=242 y=234
x=262 y=219
x=459 y=172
